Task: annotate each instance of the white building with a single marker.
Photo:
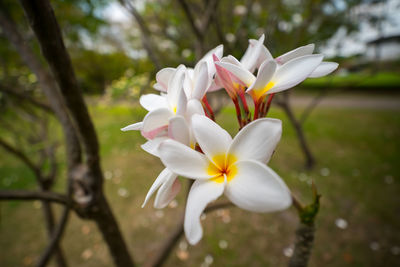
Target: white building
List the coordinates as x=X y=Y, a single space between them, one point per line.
x=385 y=48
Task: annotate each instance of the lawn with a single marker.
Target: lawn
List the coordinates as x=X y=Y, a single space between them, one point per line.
x=357 y=174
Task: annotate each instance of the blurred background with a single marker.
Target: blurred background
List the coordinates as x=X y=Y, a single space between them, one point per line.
x=350 y=120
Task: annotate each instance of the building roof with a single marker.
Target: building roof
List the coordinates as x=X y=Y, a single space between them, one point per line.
x=381 y=40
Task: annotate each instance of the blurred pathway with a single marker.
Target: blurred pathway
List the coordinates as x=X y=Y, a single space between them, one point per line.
x=381 y=102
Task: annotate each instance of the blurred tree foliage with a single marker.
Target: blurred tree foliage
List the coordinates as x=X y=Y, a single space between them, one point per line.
x=287 y=24
x=82 y=23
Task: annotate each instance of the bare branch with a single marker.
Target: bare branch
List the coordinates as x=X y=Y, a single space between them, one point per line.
x=57 y=234
x=211 y=9
x=285 y=105
x=33 y=195
x=43 y=22
x=28 y=98
x=20 y=155
x=45 y=26
x=48 y=85
x=164 y=251
x=145 y=32
x=197 y=32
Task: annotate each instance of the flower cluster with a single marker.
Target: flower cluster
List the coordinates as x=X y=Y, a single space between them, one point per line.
x=180 y=129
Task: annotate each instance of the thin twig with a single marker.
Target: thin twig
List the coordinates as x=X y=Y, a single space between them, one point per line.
x=28 y=98
x=20 y=155
x=57 y=234
x=33 y=195
x=148 y=45
x=165 y=249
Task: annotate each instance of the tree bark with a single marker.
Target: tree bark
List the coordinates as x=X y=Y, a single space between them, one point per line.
x=45 y=26
x=303 y=245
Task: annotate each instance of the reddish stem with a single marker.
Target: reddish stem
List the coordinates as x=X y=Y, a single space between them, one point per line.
x=238 y=113
x=208 y=107
x=267 y=107
x=256 y=108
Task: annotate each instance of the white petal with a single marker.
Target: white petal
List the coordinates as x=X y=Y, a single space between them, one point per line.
x=214 y=85
x=241 y=73
x=201 y=81
x=162 y=78
x=183 y=160
x=201 y=193
x=167 y=192
x=257 y=140
x=231 y=59
x=194 y=107
x=164 y=174
x=132 y=127
x=250 y=61
x=256 y=187
x=182 y=103
x=151 y=146
x=208 y=58
x=294 y=72
x=324 y=69
x=213 y=140
x=178 y=130
x=264 y=55
x=156 y=119
x=218 y=51
x=298 y=52
x=264 y=75
x=152 y=101
x=175 y=86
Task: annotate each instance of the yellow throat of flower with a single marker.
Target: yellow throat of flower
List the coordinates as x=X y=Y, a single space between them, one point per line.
x=222 y=165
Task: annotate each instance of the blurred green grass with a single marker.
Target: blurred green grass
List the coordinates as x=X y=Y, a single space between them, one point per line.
x=357 y=174
x=365 y=81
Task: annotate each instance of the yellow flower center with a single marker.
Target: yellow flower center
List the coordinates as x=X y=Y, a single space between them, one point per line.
x=260 y=92
x=222 y=165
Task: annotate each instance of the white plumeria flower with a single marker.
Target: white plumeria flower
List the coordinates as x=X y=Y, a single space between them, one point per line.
x=323 y=69
x=162 y=79
x=162 y=107
x=200 y=80
x=271 y=78
x=255 y=52
x=179 y=129
x=233 y=167
x=167 y=183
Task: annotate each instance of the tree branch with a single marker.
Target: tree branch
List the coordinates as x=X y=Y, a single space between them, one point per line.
x=28 y=98
x=284 y=103
x=20 y=155
x=146 y=41
x=165 y=249
x=57 y=234
x=33 y=195
x=48 y=85
x=43 y=22
x=306 y=229
x=45 y=26
x=197 y=32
